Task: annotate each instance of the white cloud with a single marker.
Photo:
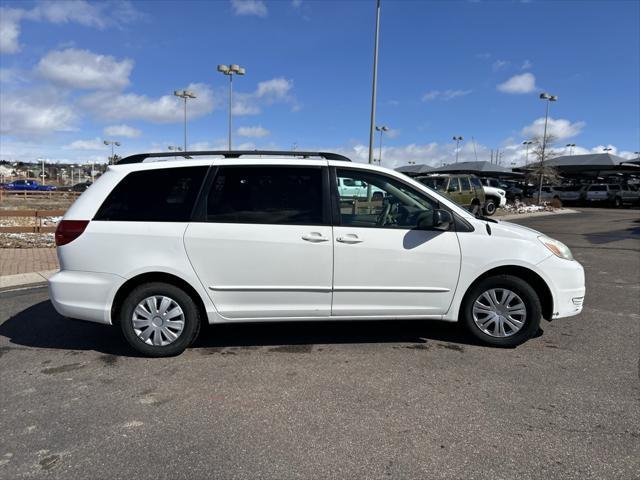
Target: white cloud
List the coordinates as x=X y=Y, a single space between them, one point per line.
x=559 y=128
x=9 y=29
x=296 y=3
x=35 y=112
x=253 y=132
x=269 y=92
x=499 y=65
x=524 y=83
x=95 y=144
x=90 y=14
x=249 y=7
x=122 y=131
x=445 y=95
x=526 y=65
x=84 y=69
x=164 y=109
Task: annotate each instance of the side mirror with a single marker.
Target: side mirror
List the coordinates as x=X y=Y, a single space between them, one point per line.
x=438 y=219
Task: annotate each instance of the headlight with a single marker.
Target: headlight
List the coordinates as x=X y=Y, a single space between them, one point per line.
x=559 y=249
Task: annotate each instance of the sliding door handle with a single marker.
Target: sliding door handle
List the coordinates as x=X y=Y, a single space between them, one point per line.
x=350 y=238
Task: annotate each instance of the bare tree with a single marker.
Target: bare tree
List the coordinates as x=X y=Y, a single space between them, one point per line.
x=543 y=152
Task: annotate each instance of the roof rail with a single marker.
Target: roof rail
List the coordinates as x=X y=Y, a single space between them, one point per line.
x=141 y=157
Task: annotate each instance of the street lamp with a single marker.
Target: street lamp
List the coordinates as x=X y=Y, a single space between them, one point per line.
x=230 y=71
x=184 y=94
x=42 y=160
x=374 y=87
x=457 y=139
x=570 y=146
x=381 y=129
x=113 y=144
x=526 y=157
x=173 y=148
x=548 y=99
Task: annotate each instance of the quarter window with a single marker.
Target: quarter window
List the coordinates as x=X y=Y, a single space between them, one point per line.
x=162 y=195
x=266 y=195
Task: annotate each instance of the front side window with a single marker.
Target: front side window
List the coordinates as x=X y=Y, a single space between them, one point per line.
x=388 y=203
x=614 y=187
x=162 y=195
x=266 y=195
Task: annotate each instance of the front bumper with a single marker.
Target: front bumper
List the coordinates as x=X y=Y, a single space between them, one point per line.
x=566 y=280
x=84 y=295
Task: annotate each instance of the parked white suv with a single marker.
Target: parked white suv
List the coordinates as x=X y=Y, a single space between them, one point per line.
x=157 y=248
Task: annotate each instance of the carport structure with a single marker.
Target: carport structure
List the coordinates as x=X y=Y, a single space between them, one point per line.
x=589 y=167
x=415 y=170
x=480 y=168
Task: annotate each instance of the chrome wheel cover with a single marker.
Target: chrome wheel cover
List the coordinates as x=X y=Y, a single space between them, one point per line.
x=499 y=312
x=158 y=320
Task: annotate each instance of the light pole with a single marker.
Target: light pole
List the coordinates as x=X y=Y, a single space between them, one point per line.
x=381 y=129
x=457 y=139
x=570 y=146
x=185 y=94
x=230 y=71
x=42 y=160
x=526 y=156
x=374 y=88
x=173 y=148
x=113 y=144
x=548 y=99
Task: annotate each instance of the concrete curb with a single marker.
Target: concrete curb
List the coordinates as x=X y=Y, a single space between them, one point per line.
x=512 y=216
x=25 y=279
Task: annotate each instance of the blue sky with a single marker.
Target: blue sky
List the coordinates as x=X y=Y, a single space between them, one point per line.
x=73 y=73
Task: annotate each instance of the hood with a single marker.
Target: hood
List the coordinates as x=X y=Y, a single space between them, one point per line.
x=509 y=229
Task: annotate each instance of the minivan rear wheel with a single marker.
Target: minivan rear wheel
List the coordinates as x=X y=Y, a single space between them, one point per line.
x=502 y=311
x=159 y=319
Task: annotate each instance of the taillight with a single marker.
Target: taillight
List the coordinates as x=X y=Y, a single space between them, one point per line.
x=69 y=230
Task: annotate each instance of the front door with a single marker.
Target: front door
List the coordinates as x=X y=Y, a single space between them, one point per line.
x=264 y=246
x=383 y=264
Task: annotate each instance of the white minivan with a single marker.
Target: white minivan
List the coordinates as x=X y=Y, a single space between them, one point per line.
x=159 y=246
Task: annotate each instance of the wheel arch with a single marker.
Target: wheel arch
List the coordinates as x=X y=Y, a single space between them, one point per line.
x=149 y=277
x=526 y=274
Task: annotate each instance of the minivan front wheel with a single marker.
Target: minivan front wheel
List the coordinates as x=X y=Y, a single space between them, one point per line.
x=159 y=319
x=502 y=311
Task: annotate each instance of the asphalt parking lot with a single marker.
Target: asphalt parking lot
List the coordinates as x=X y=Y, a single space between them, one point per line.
x=359 y=400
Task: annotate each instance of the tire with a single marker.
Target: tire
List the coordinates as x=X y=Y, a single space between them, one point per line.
x=524 y=294
x=159 y=343
x=490 y=207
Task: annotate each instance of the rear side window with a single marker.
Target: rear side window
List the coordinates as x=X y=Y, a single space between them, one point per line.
x=164 y=195
x=453 y=185
x=464 y=184
x=267 y=195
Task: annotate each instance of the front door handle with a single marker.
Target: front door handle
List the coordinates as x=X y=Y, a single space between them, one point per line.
x=350 y=238
x=314 y=237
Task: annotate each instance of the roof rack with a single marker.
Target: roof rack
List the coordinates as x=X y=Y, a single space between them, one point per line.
x=141 y=157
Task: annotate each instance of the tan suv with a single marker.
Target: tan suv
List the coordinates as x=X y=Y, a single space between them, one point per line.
x=464 y=189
